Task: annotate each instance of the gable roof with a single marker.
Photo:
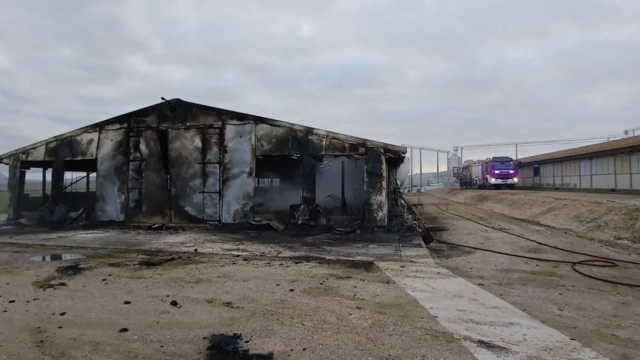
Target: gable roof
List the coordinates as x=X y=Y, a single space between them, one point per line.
x=149 y=110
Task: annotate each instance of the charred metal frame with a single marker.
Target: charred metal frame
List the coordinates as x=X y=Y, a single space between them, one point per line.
x=180 y=162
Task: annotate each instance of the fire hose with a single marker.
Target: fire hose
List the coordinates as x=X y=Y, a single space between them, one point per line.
x=595 y=261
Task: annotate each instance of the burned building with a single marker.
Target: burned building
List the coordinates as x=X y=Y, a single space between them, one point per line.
x=178 y=162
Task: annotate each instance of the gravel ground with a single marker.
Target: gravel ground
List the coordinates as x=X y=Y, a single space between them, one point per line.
x=294 y=308
x=601 y=316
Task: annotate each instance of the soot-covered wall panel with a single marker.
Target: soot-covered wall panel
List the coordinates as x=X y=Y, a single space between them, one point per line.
x=238 y=171
x=185 y=158
x=77 y=147
x=211 y=139
x=112 y=177
x=155 y=187
x=376 y=205
x=35 y=154
x=272 y=140
x=329 y=185
x=13 y=186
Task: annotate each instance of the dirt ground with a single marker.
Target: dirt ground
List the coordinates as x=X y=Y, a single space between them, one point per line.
x=602 y=316
x=600 y=216
x=296 y=308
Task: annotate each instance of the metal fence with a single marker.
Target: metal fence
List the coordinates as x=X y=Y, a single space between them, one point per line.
x=421 y=158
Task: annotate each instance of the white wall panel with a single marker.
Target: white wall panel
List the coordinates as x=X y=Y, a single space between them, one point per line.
x=635 y=163
x=635 y=181
x=585 y=167
x=604 y=181
x=546 y=170
x=624 y=182
x=546 y=181
x=570 y=182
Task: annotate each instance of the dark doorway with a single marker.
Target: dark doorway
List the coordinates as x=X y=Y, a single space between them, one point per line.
x=340 y=185
x=34 y=187
x=79 y=185
x=536 y=170
x=278 y=184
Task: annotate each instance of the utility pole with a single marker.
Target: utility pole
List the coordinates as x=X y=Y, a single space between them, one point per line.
x=411 y=176
x=516 y=151
x=438 y=166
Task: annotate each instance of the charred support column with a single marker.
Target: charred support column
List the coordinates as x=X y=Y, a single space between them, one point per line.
x=343 y=199
x=375 y=186
x=57 y=181
x=44 y=182
x=308 y=179
x=14 y=188
x=21 y=182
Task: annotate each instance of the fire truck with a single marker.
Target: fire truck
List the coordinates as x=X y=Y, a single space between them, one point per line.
x=495 y=173
x=464 y=174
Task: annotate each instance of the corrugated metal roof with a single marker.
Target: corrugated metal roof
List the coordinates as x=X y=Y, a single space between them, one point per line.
x=144 y=112
x=629 y=142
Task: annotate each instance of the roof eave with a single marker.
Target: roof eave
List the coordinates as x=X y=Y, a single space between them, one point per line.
x=372 y=143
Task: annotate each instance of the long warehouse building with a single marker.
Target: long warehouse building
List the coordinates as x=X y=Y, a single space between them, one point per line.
x=608 y=165
x=179 y=162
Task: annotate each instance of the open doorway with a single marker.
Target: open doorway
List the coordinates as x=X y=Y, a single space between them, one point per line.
x=79 y=186
x=34 y=187
x=278 y=184
x=340 y=186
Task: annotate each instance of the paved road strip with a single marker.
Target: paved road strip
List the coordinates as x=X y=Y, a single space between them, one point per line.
x=488 y=326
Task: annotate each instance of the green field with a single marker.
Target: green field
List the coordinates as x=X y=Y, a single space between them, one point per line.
x=29 y=188
x=4 y=199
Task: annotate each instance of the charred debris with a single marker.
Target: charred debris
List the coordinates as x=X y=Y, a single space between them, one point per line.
x=181 y=163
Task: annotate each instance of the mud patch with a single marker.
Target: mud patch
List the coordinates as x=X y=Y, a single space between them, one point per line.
x=156 y=262
x=495 y=348
x=53 y=285
x=57 y=257
x=71 y=270
x=230 y=347
x=68 y=271
x=299 y=259
x=366 y=266
x=444 y=251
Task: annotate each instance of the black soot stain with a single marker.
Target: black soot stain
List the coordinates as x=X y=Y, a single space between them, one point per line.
x=70 y=270
x=229 y=347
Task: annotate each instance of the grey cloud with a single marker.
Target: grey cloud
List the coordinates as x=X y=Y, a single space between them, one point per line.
x=430 y=73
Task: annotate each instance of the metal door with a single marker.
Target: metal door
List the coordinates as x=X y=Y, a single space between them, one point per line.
x=194 y=161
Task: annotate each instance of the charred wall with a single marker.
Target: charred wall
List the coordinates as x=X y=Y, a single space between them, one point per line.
x=238 y=172
x=340 y=186
x=376 y=205
x=174 y=163
x=13 y=188
x=112 y=175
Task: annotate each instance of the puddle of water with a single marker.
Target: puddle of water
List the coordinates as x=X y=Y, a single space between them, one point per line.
x=57 y=257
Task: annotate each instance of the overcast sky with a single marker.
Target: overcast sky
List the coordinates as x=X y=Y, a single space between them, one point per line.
x=430 y=73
